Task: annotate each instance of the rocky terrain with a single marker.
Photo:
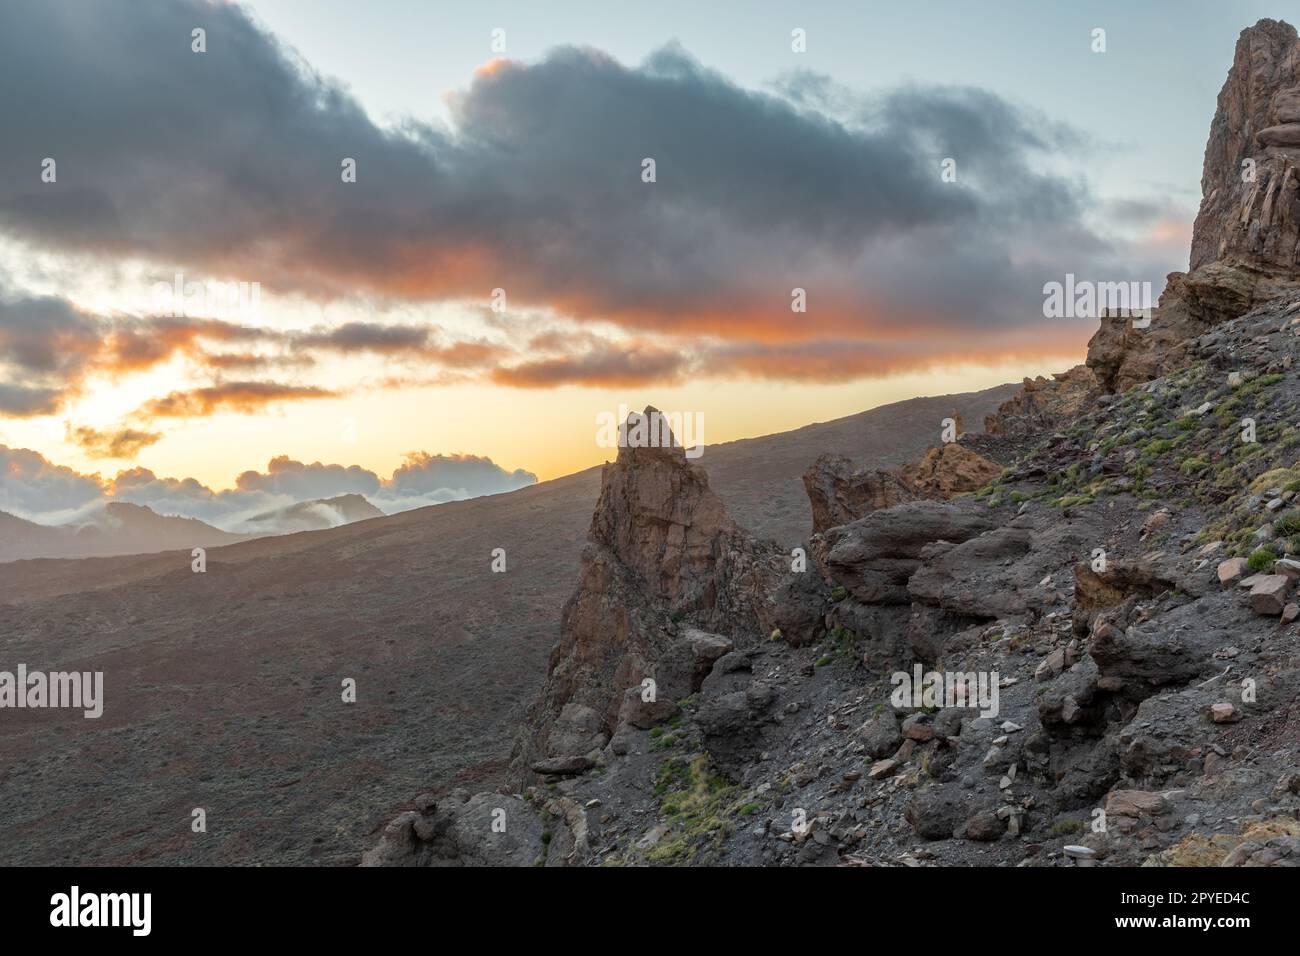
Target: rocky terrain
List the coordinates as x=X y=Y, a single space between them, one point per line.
x=1104 y=584
x=223 y=688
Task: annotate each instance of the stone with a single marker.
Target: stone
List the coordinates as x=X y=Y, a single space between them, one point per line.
x=985 y=826
x=563 y=766
x=918 y=727
x=1051 y=665
x=660 y=539
x=1245 y=234
x=1268 y=596
x=882 y=769
x=1155 y=521
x=1135 y=803
x=951 y=469
x=643 y=714
x=1232 y=570
x=1081 y=855
x=1287 y=566
x=880 y=734
x=1224 y=713
x=934 y=813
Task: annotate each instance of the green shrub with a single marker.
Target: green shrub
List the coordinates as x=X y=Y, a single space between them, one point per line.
x=1288 y=525
x=1261 y=561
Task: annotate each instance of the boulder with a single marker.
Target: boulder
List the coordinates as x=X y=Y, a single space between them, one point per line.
x=934 y=813
x=1231 y=570
x=1269 y=594
x=1135 y=803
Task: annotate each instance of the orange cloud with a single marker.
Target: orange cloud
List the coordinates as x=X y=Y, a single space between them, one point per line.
x=229 y=397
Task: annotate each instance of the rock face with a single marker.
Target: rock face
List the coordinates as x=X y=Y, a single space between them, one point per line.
x=1046 y=404
x=661 y=551
x=839 y=494
x=1254 y=222
x=951 y=469
x=1244 y=241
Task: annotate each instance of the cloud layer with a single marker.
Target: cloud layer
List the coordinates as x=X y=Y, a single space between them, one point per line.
x=228 y=162
x=38 y=490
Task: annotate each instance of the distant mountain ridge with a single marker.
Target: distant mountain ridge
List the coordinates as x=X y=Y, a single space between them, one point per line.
x=118 y=528
x=315 y=515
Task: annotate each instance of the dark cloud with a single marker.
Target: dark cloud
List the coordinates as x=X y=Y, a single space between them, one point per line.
x=45 y=347
x=609 y=364
x=43 y=335
x=368 y=337
x=19 y=401
x=229 y=161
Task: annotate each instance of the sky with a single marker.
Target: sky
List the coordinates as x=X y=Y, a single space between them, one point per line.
x=499 y=272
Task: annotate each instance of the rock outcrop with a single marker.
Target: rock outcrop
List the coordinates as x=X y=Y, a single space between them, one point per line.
x=664 y=568
x=948 y=470
x=1246 y=238
x=1043 y=405
x=840 y=494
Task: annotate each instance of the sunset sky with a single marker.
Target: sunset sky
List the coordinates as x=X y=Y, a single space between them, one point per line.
x=375 y=346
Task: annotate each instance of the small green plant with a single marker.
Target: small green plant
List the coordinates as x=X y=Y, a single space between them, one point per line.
x=1063 y=827
x=1261 y=561
x=1288 y=525
x=839 y=594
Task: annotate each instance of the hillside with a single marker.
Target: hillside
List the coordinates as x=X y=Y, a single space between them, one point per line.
x=224 y=688
x=1088 y=656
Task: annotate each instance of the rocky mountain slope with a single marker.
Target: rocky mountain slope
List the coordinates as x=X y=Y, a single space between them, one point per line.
x=223 y=688
x=1094 y=657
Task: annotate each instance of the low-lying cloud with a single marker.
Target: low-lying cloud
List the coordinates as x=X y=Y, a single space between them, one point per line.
x=38 y=490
